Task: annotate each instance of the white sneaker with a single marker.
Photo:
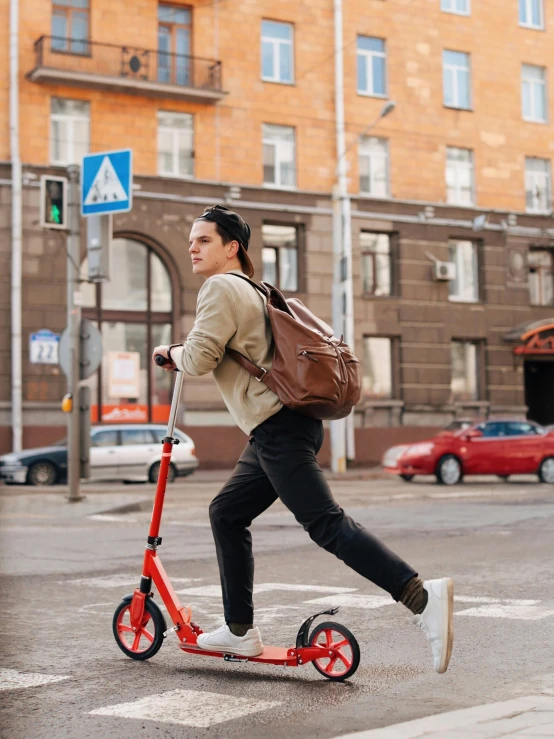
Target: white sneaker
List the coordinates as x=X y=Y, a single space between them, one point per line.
x=436 y=620
x=223 y=640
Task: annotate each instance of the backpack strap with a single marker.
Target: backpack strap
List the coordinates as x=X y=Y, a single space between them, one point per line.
x=257 y=372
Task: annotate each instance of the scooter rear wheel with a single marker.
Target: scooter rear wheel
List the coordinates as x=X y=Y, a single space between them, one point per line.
x=347 y=658
x=145 y=642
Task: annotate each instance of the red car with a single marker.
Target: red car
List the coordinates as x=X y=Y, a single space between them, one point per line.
x=501 y=447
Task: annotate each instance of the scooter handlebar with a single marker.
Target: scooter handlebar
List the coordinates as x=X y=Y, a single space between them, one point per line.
x=160 y=361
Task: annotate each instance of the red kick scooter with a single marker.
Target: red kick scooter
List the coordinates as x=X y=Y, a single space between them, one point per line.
x=139 y=625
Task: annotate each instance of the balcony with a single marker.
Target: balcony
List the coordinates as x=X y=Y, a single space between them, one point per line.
x=126 y=69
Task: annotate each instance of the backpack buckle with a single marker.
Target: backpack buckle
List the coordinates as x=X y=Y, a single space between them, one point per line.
x=260 y=379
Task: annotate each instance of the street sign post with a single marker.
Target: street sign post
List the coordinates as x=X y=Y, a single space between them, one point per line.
x=43 y=347
x=107 y=183
x=90 y=350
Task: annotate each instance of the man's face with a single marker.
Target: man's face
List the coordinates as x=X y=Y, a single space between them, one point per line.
x=209 y=255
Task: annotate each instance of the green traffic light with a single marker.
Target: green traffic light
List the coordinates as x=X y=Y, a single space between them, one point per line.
x=55 y=215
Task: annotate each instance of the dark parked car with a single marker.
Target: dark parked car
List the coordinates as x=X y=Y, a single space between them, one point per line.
x=117 y=452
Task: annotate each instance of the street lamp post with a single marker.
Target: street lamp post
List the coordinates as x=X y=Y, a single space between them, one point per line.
x=342 y=431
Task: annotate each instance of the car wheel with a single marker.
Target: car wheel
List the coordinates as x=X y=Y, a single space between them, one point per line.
x=546 y=470
x=155 y=471
x=407 y=478
x=503 y=477
x=449 y=470
x=42 y=473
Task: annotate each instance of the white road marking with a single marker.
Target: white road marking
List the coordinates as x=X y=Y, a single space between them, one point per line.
x=214 y=591
x=271 y=613
x=521 y=610
x=187 y=707
x=112 y=518
x=119 y=580
x=354 y=600
x=12 y=679
x=527 y=716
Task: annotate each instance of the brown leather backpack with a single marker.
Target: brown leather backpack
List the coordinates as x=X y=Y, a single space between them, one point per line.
x=313 y=372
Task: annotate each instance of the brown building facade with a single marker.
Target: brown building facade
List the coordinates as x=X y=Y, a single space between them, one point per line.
x=453 y=237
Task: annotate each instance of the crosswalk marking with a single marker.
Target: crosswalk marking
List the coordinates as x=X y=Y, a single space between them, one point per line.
x=187 y=707
x=119 y=580
x=214 y=591
x=524 y=610
x=354 y=600
x=13 y=679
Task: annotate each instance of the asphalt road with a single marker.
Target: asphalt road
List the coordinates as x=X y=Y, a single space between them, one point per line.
x=65 y=567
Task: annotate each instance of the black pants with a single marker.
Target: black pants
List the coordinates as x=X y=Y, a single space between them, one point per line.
x=280 y=462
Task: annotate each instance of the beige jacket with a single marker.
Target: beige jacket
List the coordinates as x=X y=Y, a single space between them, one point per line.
x=231 y=312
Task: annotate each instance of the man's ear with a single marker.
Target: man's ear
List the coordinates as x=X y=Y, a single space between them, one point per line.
x=234 y=249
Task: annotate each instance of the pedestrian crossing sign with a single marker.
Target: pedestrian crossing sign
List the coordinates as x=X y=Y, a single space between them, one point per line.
x=106 y=182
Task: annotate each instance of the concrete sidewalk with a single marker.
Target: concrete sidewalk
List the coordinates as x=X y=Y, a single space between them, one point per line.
x=529 y=717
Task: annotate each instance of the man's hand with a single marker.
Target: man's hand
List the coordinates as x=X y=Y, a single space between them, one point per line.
x=164 y=352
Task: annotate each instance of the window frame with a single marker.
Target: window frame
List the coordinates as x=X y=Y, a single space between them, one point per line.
x=529 y=14
x=277 y=249
x=365 y=149
x=456 y=12
x=541 y=270
x=530 y=174
x=278 y=145
x=477 y=272
x=393 y=354
x=533 y=85
x=368 y=56
x=454 y=68
x=276 y=53
x=69 y=121
x=458 y=166
x=479 y=378
x=365 y=252
x=68 y=11
x=175 y=144
x=172 y=28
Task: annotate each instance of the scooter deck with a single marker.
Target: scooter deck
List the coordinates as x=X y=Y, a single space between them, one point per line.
x=270 y=655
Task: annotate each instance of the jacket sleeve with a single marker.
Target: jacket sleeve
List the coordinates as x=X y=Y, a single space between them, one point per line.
x=215 y=325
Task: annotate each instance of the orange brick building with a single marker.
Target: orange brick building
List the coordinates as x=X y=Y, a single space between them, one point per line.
x=236 y=103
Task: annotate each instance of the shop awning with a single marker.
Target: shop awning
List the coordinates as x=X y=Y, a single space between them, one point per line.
x=533 y=337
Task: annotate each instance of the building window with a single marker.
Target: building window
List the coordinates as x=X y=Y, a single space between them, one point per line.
x=280 y=256
x=174 y=32
x=531 y=13
x=175 y=144
x=279 y=155
x=456 y=80
x=277 y=52
x=460 y=7
x=533 y=93
x=459 y=176
x=376 y=263
x=377 y=369
x=69 y=131
x=371 y=59
x=541 y=276
x=464 y=383
x=538 y=185
x=134 y=313
x=373 y=163
x=70 y=26
x=465 y=287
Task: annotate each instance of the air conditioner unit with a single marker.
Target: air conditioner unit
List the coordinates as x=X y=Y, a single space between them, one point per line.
x=444 y=271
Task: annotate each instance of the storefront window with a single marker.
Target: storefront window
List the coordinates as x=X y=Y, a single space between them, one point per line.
x=133 y=312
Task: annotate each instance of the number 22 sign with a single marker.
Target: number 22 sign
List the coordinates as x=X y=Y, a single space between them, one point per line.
x=43 y=347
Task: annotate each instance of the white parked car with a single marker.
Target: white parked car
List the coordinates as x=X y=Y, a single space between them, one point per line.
x=129 y=452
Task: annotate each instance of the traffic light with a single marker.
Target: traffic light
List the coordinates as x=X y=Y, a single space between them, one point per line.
x=53 y=201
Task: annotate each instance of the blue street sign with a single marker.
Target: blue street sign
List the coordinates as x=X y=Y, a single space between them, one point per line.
x=106 y=182
x=43 y=347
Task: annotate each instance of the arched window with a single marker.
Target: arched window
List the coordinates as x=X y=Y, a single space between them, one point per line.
x=134 y=312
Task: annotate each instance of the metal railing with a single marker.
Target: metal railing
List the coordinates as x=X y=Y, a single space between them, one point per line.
x=130 y=62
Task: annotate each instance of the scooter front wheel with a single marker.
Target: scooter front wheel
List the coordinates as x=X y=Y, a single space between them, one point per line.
x=344 y=663
x=145 y=641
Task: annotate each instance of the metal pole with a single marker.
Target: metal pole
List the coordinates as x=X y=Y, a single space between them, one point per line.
x=16 y=265
x=348 y=291
x=74 y=327
x=338 y=428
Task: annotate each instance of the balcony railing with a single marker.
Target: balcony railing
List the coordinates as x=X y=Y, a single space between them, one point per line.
x=126 y=69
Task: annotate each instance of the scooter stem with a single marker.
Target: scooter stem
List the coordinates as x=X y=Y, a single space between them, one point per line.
x=175 y=402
